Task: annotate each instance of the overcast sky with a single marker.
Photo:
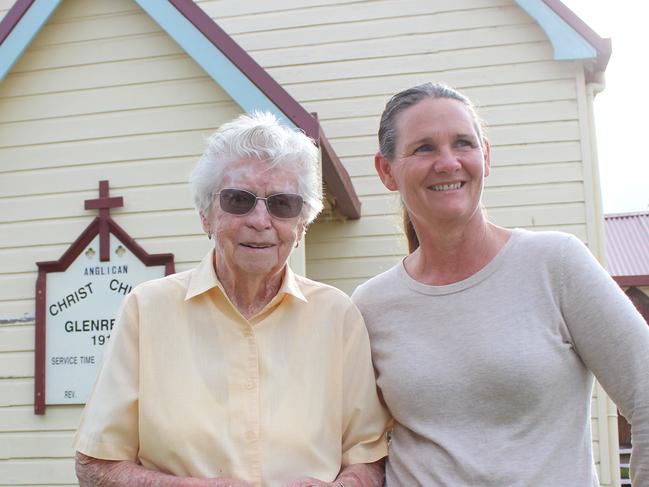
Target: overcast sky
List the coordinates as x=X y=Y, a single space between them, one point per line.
x=621 y=110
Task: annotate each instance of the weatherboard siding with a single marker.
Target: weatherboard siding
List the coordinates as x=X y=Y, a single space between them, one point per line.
x=103 y=93
x=142 y=128
x=344 y=62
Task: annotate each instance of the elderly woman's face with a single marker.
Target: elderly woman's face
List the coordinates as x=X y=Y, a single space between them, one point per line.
x=254 y=243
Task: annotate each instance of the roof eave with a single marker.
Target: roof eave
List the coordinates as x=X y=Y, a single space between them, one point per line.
x=628 y=281
x=339 y=184
x=601 y=44
x=571 y=38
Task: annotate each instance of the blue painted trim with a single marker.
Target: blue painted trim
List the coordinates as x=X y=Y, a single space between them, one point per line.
x=567 y=43
x=24 y=32
x=210 y=58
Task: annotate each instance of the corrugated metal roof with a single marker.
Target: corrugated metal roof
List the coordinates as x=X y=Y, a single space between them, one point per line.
x=627 y=244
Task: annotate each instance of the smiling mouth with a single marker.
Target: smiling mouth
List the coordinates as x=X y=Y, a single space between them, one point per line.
x=446 y=187
x=257 y=245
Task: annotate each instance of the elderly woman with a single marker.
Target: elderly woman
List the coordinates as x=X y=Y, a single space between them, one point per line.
x=485 y=340
x=239 y=372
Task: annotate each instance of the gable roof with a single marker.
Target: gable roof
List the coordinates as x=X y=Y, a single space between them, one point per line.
x=231 y=67
x=627 y=248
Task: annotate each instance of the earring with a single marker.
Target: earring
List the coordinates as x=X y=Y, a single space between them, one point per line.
x=297 y=244
x=209 y=236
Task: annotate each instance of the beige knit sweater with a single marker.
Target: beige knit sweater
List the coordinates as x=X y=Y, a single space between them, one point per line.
x=489 y=379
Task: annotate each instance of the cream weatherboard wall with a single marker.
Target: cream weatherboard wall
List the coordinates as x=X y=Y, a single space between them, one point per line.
x=103 y=93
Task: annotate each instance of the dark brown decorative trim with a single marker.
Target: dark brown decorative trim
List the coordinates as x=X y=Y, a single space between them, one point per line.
x=338 y=181
x=601 y=45
x=102 y=221
x=248 y=66
x=12 y=17
x=104 y=203
x=631 y=280
x=39 y=344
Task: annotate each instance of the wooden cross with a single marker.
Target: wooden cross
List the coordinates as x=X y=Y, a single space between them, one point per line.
x=104 y=203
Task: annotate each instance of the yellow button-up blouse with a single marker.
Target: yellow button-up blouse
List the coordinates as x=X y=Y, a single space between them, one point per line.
x=192 y=388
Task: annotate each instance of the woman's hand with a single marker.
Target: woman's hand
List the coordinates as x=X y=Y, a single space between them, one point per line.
x=310 y=482
x=225 y=483
x=357 y=475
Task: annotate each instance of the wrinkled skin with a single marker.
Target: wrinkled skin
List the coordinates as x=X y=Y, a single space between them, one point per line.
x=93 y=472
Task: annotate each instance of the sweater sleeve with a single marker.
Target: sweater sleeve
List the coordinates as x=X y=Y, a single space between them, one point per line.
x=612 y=339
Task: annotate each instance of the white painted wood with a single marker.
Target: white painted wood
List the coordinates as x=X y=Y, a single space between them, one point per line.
x=123 y=23
x=157 y=94
x=103 y=93
x=17 y=311
x=281 y=10
x=26 y=445
x=102 y=50
x=38 y=472
x=356 y=247
x=355 y=267
x=204 y=116
x=80 y=9
x=67 y=179
x=138 y=225
x=89 y=76
x=16 y=392
x=231 y=8
x=23 y=259
x=392 y=27
x=174 y=197
x=16 y=338
x=536 y=153
x=16 y=365
x=539 y=215
x=101 y=151
x=461 y=43
x=22 y=418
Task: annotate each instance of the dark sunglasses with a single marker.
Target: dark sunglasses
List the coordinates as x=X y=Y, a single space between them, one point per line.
x=241 y=202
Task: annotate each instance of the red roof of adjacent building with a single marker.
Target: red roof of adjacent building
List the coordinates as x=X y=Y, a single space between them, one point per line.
x=627 y=248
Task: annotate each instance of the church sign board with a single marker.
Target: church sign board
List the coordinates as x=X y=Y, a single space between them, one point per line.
x=77 y=299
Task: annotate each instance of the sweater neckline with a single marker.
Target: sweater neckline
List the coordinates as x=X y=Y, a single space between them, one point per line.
x=470 y=281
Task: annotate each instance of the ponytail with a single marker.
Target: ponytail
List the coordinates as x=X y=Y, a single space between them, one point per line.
x=409 y=230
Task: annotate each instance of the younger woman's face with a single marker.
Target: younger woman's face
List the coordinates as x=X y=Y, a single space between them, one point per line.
x=440 y=161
